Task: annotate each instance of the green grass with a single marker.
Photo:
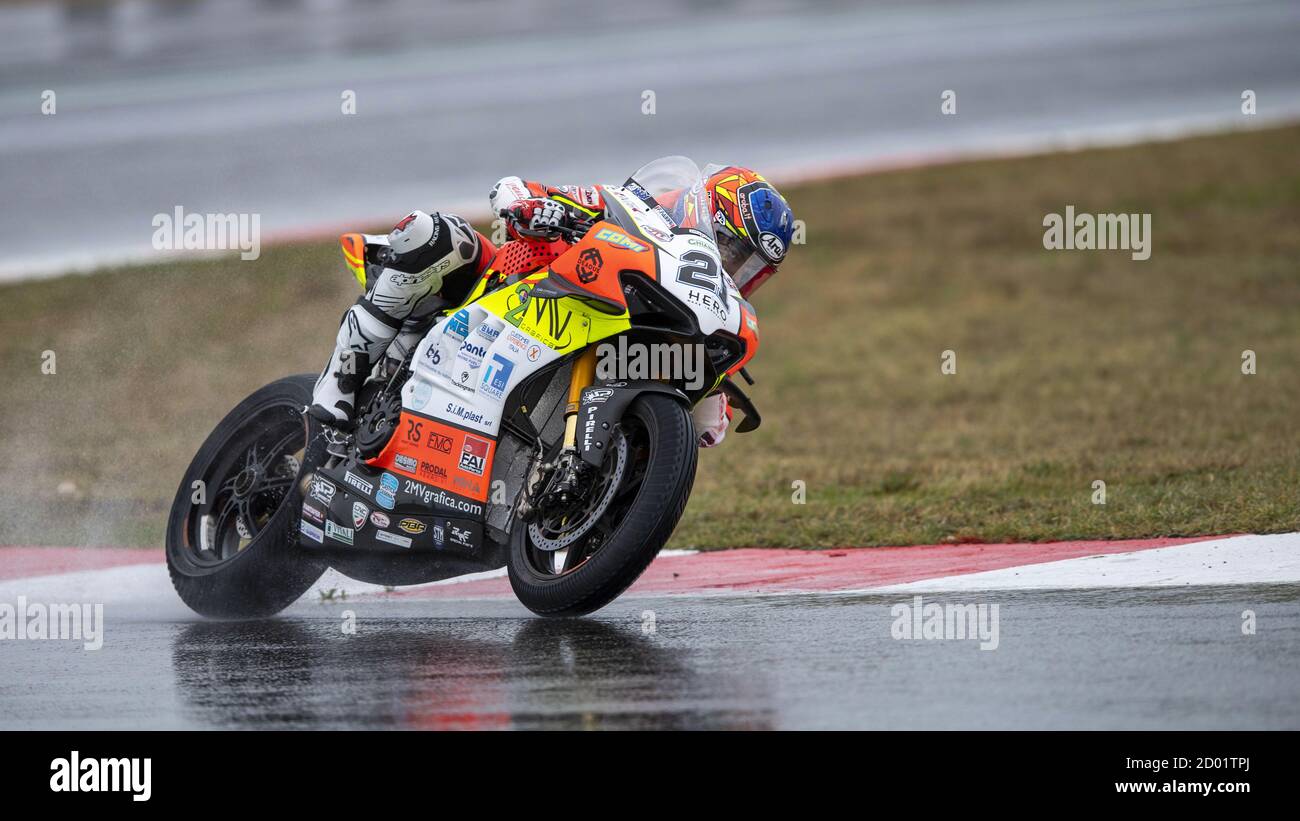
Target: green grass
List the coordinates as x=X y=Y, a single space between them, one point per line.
x=1071 y=366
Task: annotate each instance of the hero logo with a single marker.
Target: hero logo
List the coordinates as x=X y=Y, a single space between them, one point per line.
x=473 y=455
x=497 y=375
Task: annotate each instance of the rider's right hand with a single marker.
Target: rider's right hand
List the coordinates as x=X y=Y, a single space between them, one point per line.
x=535 y=217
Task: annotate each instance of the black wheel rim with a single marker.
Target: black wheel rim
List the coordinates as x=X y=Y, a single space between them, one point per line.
x=244 y=485
x=554 y=564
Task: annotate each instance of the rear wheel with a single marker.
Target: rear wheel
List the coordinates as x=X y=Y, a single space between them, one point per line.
x=232 y=536
x=573 y=564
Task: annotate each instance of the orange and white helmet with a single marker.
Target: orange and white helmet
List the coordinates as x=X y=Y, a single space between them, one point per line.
x=752 y=221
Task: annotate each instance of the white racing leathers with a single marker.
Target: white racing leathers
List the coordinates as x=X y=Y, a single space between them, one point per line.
x=426 y=255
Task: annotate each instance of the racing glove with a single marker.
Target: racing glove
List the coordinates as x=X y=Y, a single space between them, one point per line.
x=712 y=416
x=537 y=217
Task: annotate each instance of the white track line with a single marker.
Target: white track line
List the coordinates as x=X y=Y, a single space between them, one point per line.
x=1234 y=560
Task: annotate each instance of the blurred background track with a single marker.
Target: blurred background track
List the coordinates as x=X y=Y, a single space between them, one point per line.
x=234 y=105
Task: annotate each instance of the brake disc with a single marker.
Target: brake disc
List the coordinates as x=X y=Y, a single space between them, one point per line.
x=571 y=535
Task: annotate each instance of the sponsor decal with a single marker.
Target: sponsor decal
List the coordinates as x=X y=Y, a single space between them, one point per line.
x=438 y=536
x=379 y=519
x=413 y=526
x=497 y=375
x=313 y=513
x=709 y=302
x=469 y=486
x=409 y=463
x=421 y=392
x=460 y=537
x=458 y=324
x=619 y=240
x=662 y=236
x=588 y=266
x=473 y=455
x=517 y=341
x=359 y=514
x=311 y=531
x=338 y=532
x=596 y=395
x=433 y=473
x=772 y=245
x=322 y=489
x=387 y=487
x=358 y=483
x=438 y=496
x=401 y=278
x=466 y=414
x=393 y=538
x=534 y=351
x=438 y=442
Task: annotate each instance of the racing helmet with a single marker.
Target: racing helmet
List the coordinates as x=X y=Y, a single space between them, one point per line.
x=752 y=221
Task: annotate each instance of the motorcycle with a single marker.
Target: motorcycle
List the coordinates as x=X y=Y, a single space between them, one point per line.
x=509 y=436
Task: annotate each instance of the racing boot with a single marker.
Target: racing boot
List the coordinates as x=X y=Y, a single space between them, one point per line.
x=361 y=341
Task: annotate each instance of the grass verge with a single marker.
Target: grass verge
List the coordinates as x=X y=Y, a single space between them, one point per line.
x=1072 y=367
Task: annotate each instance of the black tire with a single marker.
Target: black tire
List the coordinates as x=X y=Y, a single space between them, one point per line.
x=645 y=525
x=260 y=574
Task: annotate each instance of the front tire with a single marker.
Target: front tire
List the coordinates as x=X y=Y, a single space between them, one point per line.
x=232 y=550
x=630 y=532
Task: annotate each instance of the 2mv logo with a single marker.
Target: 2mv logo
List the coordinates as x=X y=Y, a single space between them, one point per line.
x=547 y=319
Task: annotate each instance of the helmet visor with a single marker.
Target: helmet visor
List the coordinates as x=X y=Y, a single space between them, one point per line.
x=743 y=262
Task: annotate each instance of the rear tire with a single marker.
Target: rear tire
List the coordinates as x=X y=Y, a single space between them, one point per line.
x=633 y=542
x=258 y=569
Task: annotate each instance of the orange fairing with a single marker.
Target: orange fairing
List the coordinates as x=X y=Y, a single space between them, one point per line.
x=437 y=454
x=748 y=335
x=595 y=262
x=354 y=253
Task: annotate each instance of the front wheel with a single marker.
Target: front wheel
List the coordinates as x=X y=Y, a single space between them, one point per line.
x=232 y=536
x=572 y=565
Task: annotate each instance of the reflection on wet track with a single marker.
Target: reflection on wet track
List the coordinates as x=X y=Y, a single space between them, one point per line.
x=1164 y=658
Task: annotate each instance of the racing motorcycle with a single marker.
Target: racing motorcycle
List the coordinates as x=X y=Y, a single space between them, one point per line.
x=496 y=441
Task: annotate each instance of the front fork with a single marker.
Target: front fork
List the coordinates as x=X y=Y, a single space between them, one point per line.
x=559 y=483
x=580 y=378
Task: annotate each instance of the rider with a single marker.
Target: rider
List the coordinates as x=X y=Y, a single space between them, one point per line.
x=430 y=262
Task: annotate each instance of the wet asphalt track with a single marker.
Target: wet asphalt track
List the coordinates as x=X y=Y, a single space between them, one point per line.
x=233 y=106
x=1141 y=659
